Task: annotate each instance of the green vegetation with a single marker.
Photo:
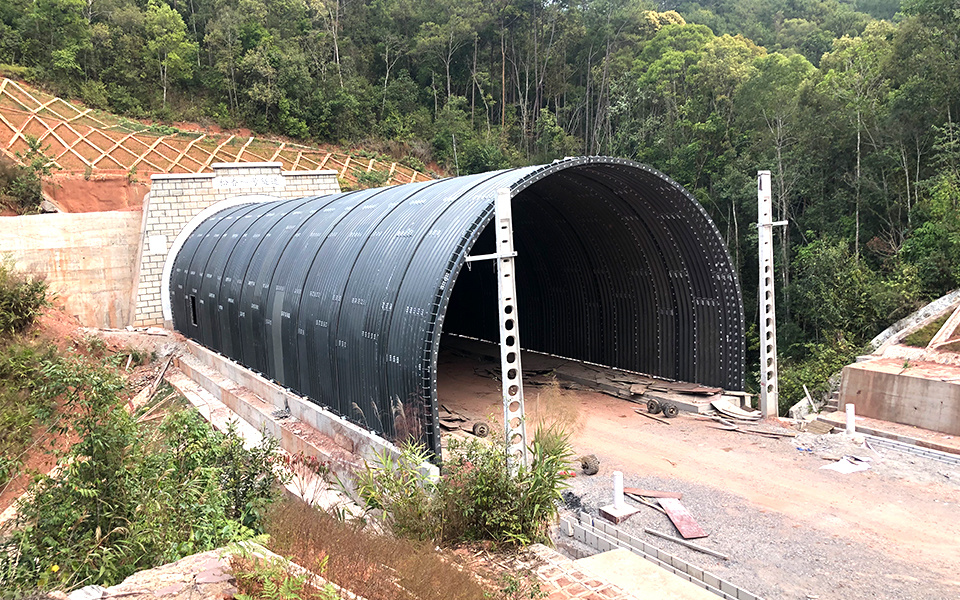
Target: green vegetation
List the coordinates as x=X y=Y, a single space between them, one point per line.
x=261 y=578
x=21 y=181
x=128 y=495
x=25 y=401
x=131 y=495
x=921 y=337
x=367 y=563
x=851 y=105
x=478 y=498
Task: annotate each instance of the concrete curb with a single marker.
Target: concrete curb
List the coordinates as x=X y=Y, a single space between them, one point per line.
x=604 y=536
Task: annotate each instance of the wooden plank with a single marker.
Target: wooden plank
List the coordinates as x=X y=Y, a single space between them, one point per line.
x=652 y=493
x=682 y=519
x=786 y=434
x=645 y=502
x=78 y=115
x=143 y=157
x=105 y=153
x=17 y=132
x=243 y=149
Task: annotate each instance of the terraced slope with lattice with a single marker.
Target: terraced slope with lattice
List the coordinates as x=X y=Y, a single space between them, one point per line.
x=84 y=140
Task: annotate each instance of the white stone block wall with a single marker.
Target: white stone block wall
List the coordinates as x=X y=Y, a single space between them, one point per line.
x=174 y=200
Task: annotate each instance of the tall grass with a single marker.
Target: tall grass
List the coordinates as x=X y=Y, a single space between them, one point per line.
x=479 y=497
x=366 y=563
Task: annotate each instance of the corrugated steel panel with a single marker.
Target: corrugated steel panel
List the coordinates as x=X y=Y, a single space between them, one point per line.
x=343 y=298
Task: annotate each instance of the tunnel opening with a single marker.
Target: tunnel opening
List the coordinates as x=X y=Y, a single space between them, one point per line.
x=602 y=278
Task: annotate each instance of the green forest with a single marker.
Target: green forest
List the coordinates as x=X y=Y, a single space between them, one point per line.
x=849 y=103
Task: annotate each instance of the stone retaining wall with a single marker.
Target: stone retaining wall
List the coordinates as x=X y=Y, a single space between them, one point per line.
x=174 y=200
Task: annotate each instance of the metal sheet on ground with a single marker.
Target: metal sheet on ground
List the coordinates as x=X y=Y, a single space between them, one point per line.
x=682 y=519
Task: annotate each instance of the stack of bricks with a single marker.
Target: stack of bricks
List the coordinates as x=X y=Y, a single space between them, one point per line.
x=174 y=200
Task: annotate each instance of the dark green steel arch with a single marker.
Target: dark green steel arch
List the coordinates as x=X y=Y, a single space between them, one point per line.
x=343 y=298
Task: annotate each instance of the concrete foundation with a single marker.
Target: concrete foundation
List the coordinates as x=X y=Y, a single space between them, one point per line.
x=924 y=395
x=265 y=405
x=628 y=571
x=87 y=258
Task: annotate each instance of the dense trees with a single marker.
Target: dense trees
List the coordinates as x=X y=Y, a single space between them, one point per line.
x=851 y=105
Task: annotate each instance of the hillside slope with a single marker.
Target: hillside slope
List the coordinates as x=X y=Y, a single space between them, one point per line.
x=85 y=142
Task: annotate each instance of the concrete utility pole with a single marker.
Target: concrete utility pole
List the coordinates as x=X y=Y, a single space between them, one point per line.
x=510 y=372
x=769 y=393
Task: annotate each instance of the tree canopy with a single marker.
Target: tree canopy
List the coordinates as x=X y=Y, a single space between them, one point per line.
x=849 y=104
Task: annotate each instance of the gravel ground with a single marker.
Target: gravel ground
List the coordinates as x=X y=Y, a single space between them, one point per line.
x=771 y=554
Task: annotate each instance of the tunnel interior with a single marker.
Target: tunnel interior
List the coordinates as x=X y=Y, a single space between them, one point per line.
x=602 y=278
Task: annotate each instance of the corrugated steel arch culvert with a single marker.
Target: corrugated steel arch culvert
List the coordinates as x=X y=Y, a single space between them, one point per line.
x=342 y=298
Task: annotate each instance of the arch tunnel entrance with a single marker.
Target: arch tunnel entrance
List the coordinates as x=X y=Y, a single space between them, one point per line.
x=344 y=298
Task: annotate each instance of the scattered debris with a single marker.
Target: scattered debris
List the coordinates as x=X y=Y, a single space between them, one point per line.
x=729 y=426
x=681 y=518
x=571 y=500
x=644 y=501
x=590 y=464
x=849 y=464
x=819 y=427
x=727 y=408
x=652 y=493
x=649 y=416
x=788 y=434
x=690 y=545
x=451 y=420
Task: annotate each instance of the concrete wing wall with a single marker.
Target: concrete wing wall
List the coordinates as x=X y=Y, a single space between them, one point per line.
x=88 y=259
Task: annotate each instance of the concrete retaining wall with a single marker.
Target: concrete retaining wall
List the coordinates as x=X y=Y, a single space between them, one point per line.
x=885 y=389
x=88 y=259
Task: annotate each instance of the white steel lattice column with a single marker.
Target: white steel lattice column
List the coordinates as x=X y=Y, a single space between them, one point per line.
x=513 y=415
x=769 y=393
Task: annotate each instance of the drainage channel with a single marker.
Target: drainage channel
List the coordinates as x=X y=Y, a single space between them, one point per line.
x=890 y=444
x=604 y=536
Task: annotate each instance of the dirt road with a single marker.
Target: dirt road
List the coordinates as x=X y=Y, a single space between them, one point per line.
x=792 y=530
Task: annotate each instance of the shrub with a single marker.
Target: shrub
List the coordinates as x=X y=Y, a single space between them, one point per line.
x=130 y=495
x=271 y=578
x=24 y=404
x=479 y=498
x=22 y=299
x=368 y=179
x=21 y=186
x=402 y=491
x=822 y=360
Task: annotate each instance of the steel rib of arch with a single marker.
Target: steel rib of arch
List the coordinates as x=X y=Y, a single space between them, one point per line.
x=343 y=298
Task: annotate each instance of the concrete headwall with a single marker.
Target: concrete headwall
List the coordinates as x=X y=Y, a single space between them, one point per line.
x=174 y=200
x=87 y=258
x=886 y=389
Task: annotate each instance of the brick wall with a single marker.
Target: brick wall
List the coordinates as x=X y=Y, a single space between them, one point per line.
x=174 y=200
